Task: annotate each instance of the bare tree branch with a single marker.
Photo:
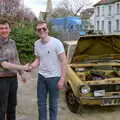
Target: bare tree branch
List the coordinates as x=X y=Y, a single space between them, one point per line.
x=73 y=7
x=15 y=9
x=9 y=7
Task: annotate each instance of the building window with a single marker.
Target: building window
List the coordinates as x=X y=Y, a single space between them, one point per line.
x=117 y=25
x=110 y=9
x=102 y=25
x=98 y=25
x=109 y=26
x=103 y=10
x=98 y=11
x=118 y=8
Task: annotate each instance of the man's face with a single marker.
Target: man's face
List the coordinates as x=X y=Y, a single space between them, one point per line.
x=42 y=31
x=4 y=30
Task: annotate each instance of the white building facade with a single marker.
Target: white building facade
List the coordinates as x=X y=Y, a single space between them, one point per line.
x=107 y=17
x=92 y=20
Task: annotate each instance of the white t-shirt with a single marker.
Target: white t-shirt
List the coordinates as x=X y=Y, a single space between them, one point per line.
x=48 y=54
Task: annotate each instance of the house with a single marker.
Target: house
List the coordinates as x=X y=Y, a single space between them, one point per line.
x=107 y=16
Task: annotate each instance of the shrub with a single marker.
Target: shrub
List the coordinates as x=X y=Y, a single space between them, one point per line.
x=24 y=35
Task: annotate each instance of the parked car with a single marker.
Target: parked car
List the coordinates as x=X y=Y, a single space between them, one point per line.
x=93 y=76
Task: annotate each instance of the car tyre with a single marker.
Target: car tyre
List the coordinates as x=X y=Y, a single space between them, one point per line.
x=71 y=101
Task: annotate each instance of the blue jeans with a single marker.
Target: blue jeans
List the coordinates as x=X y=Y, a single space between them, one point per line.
x=47 y=86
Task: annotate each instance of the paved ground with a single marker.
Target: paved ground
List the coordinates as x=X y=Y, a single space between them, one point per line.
x=27 y=107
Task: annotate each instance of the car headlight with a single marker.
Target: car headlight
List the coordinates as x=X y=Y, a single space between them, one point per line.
x=80 y=69
x=85 y=89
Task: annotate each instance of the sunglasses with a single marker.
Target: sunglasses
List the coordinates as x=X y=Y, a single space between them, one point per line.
x=42 y=29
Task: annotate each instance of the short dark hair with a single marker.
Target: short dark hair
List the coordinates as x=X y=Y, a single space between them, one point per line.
x=4 y=21
x=41 y=22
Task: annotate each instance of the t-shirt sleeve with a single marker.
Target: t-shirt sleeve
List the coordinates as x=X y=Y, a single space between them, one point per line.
x=59 y=47
x=35 y=50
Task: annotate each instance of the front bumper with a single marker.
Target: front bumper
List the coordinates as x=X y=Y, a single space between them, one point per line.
x=102 y=101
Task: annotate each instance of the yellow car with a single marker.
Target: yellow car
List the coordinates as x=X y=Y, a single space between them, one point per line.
x=93 y=76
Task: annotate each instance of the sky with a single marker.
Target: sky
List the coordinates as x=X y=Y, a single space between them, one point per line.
x=40 y=5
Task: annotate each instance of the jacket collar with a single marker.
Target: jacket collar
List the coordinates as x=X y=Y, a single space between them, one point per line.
x=3 y=41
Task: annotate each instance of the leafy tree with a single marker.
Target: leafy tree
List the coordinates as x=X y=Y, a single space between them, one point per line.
x=25 y=36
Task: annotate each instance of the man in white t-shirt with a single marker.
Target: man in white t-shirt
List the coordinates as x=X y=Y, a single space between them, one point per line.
x=51 y=59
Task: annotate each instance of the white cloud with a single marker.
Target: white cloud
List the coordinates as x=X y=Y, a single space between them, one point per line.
x=35 y=5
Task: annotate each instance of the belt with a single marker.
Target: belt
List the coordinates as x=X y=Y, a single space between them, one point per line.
x=7 y=75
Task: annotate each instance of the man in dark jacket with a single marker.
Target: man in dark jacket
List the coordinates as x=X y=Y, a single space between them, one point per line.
x=9 y=67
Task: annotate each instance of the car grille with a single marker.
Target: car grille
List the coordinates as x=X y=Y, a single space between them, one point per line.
x=107 y=88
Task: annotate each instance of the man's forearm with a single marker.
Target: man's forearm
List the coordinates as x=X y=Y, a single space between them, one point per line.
x=36 y=63
x=11 y=66
x=63 y=66
x=61 y=82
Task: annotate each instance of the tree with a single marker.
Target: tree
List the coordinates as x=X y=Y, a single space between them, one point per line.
x=77 y=6
x=14 y=10
x=25 y=14
x=70 y=7
x=9 y=7
x=61 y=12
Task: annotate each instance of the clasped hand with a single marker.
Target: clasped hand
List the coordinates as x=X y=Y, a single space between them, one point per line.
x=28 y=67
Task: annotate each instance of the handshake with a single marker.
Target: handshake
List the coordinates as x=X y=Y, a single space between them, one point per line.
x=28 y=67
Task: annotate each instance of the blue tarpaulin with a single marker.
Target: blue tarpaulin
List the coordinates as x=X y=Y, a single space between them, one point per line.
x=69 y=23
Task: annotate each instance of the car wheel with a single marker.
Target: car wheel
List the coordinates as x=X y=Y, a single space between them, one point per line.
x=71 y=101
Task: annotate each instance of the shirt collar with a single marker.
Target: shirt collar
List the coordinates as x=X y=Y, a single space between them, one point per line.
x=4 y=41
